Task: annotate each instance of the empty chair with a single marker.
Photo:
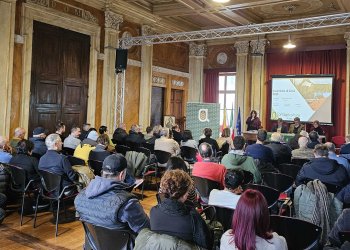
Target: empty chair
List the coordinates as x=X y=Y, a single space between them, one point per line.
x=281 y=182
x=299 y=161
x=299 y=234
x=101 y=238
x=75 y=160
x=122 y=149
x=19 y=184
x=271 y=195
x=189 y=154
x=96 y=166
x=289 y=169
x=204 y=186
x=224 y=216
x=51 y=190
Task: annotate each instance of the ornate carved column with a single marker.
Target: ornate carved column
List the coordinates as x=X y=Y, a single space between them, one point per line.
x=196 y=86
x=242 y=80
x=347 y=82
x=7 y=29
x=108 y=114
x=258 y=91
x=146 y=79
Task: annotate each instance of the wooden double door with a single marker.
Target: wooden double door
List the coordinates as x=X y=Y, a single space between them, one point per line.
x=59 y=78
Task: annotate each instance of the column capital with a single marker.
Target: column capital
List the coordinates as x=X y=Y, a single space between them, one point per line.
x=112 y=20
x=147 y=30
x=347 y=38
x=258 y=46
x=242 y=47
x=198 y=49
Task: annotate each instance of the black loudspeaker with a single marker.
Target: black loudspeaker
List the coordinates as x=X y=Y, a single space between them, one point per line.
x=121 y=60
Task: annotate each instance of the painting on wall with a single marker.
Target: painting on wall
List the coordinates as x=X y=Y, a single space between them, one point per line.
x=169 y=121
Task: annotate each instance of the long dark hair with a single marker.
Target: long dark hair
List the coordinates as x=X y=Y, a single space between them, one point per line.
x=251 y=219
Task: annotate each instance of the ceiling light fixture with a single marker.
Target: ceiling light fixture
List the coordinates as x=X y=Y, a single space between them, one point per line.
x=289 y=45
x=221 y=1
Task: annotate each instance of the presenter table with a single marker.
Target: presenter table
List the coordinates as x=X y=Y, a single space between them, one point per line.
x=252 y=136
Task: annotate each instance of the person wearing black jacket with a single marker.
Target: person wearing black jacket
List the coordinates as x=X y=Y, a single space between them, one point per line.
x=120 y=134
x=208 y=132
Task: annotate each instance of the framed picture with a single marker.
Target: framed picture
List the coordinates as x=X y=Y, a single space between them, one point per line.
x=169 y=121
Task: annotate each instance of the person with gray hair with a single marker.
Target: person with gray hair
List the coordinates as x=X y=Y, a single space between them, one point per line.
x=72 y=140
x=332 y=155
x=54 y=162
x=281 y=152
x=324 y=169
x=18 y=136
x=303 y=152
x=5 y=150
x=164 y=143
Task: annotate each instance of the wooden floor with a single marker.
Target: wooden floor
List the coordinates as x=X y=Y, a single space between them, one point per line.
x=71 y=235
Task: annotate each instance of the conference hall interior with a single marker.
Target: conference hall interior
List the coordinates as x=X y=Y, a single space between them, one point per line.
x=175 y=124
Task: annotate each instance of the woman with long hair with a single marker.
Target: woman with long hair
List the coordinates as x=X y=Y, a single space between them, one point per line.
x=250 y=226
x=253 y=122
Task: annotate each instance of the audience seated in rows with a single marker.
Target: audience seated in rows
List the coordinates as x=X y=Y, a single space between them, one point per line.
x=176 y=162
x=24 y=160
x=324 y=169
x=120 y=134
x=293 y=142
x=206 y=168
x=281 y=152
x=303 y=151
x=279 y=127
x=237 y=158
x=177 y=135
x=234 y=179
x=313 y=136
x=60 y=130
x=5 y=150
x=225 y=138
x=187 y=140
x=345 y=149
x=173 y=217
x=250 y=226
x=100 y=152
x=54 y=162
x=208 y=133
x=19 y=135
x=258 y=150
x=296 y=127
x=106 y=201
x=39 y=135
x=72 y=140
x=341 y=160
x=84 y=131
x=135 y=136
x=167 y=144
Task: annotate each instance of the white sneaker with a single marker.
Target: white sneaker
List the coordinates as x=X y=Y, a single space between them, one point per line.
x=138 y=182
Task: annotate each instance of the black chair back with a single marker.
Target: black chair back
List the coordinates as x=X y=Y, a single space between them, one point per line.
x=132 y=145
x=146 y=151
x=75 y=160
x=189 y=154
x=344 y=236
x=51 y=183
x=281 y=182
x=162 y=156
x=38 y=156
x=149 y=146
x=299 y=234
x=289 y=169
x=204 y=186
x=68 y=151
x=299 y=161
x=271 y=195
x=96 y=166
x=101 y=238
x=248 y=177
x=224 y=216
x=122 y=149
x=18 y=178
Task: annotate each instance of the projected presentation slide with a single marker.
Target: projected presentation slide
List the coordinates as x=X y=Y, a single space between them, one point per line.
x=306 y=97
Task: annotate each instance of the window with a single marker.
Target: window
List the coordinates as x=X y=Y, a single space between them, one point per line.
x=227 y=95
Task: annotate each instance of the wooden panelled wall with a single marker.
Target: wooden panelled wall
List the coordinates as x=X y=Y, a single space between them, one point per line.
x=169 y=56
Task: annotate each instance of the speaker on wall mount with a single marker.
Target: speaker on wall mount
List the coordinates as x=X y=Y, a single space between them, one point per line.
x=121 y=60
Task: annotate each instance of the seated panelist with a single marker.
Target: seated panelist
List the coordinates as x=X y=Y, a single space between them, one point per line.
x=280 y=127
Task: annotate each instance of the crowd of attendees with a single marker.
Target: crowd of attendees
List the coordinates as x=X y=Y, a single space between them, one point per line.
x=107 y=200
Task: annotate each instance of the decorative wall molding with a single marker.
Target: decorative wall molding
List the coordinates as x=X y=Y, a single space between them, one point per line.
x=67 y=8
x=242 y=47
x=19 y=39
x=198 y=49
x=112 y=20
x=135 y=63
x=177 y=83
x=158 y=80
x=170 y=72
x=148 y=30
